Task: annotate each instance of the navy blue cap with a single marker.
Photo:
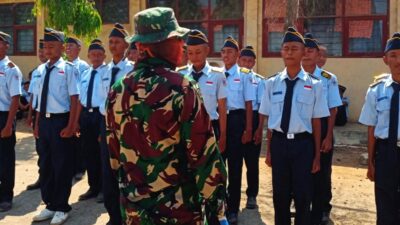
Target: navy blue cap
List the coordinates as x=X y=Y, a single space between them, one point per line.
x=5 y=37
x=74 y=41
x=248 y=51
x=53 y=35
x=393 y=43
x=132 y=46
x=196 y=37
x=96 y=44
x=41 y=42
x=311 y=42
x=292 y=35
x=231 y=43
x=118 y=31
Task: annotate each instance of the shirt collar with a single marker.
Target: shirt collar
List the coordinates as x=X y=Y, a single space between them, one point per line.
x=389 y=81
x=301 y=75
x=59 y=64
x=119 y=64
x=76 y=61
x=4 y=61
x=206 y=69
x=317 y=72
x=232 y=70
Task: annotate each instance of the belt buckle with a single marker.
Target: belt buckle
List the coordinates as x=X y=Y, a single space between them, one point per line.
x=90 y=110
x=47 y=115
x=290 y=136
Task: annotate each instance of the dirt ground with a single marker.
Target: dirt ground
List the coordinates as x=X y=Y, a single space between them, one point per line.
x=353 y=197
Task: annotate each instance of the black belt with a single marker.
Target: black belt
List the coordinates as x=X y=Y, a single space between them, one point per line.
x=236 y=112
x=3 y=113
x=54 y=115
x=90 y=110
x=304 y=135
x=386 y=141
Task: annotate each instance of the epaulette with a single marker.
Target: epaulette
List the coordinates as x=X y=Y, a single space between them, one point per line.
x=376 y=83
x=272 y=76
x=312 y=76
x=182 y=68
x=260 y=76
x=217 y=69
x=244 y=70
x=11 y=64
x=380 y=77
x=326 y=74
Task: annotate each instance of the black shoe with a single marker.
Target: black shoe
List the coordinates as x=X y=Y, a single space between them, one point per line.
x=100 y=198
x=233 y=218
x=251 y=203
x=5 y=206
x=88 y=195
x=33 y=186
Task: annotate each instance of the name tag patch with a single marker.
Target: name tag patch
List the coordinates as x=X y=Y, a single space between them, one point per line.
x=382 y=98
x=277 y=93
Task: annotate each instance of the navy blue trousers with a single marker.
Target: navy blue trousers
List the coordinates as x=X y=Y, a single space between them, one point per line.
x=291 y=177
x=90 y=133
x=235 y=153
x=387 y=183
x=7 y=162
x=251 y=156
x=56 y=163
x=322 y=181
x=110 y=183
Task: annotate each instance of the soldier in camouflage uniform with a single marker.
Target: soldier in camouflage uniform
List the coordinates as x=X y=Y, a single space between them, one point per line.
x=161 y=143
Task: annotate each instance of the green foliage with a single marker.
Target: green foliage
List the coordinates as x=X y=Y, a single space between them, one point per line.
x=78 y=17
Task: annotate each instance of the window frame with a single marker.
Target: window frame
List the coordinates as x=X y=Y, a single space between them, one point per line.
x=16 y=27
x=211 y=23
x=100 y=10
x=345 y=20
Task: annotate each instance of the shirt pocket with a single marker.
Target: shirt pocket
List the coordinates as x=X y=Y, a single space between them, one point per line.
x=60 y=80
x=305 y=105
x=383 y=108
x=209 y=90
x=276 y=104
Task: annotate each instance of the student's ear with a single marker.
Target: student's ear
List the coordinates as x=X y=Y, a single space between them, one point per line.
x=385 y=60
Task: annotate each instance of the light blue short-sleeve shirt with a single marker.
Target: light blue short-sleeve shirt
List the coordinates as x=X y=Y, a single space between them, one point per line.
x=212 y=85
x=330 y=87
x=99 y=94
x=125 y=66
x=240 y=88
x=376 y=109
x=34 y=85
x=62 y=85
x=10 y=83
x=81 y=66
x=308 y=102
x=257 y=87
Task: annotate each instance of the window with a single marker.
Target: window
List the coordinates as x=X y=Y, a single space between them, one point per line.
x=348 y=28
x=113 y=11
x=17 y=21
x=216 y=18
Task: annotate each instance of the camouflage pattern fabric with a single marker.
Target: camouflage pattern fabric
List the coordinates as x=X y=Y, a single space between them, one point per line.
x=163 y=149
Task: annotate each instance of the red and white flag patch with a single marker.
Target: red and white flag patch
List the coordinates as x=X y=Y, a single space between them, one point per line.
x=236 y=80
x=308 y=87
x=209 y=82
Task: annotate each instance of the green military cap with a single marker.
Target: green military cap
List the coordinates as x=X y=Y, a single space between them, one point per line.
x=157 y=24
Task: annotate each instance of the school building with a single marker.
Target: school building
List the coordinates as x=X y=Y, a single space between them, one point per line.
x=354 y=31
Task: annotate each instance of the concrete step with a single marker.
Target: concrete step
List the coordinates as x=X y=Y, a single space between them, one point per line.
x=351 y=134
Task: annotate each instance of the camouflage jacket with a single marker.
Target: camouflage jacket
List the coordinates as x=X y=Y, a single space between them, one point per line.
x=162 y=148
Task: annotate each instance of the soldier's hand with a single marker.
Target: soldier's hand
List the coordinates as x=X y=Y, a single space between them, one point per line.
x=222 y=143
x=316 y=165
x=326 y=145
x=67 y=132
x=371 y=172
x=268 y=159
x=6 y=132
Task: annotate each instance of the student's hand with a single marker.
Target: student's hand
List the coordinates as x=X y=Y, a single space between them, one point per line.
x=316 y=165
x=222 y=143
x=29 y=121
x=258 y=136
x=268 y=159
x=6 y=132
x=371 y=171
x=246 y=137
x=67 y=132
x=36 y=132
x=326 y=145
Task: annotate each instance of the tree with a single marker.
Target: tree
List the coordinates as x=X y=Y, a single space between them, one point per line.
x=78 y=17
